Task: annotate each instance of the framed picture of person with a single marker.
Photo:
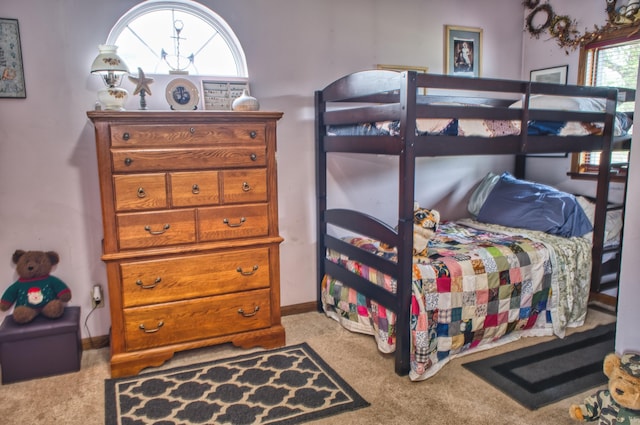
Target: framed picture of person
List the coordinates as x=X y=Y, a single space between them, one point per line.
x=463 y=51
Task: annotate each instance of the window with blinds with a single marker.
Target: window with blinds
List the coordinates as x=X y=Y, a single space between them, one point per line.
x=612 y=61
x=589 y=162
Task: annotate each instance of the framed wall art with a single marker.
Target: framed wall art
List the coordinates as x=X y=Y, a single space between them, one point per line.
x=400 y=68
x=219 y=94
x=463 y=51
x=555 y=75
x=11 y=70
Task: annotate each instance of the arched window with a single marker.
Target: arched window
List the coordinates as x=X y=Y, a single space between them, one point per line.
x=178 y=37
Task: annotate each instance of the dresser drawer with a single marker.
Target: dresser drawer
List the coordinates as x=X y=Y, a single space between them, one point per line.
x=195 y=276
x=140 y=192
x=194 y=188
x=158 y=159
x=182 y=321
x=244 y=186
x=186 y=134
x=229 y=222
x=152 y=229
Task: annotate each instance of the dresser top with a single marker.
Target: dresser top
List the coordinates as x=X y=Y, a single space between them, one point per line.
x=186 y=116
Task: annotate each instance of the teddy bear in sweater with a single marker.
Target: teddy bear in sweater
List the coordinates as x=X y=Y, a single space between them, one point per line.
x=36 y=291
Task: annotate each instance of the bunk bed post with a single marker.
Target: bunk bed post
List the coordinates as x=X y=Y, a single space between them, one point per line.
x=406 y=194
x=321 y=194
x=602 y=192
x=521 y=166
x=521 y=159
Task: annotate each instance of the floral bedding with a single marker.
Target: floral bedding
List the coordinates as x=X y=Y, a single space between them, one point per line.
x=497 y=128
x=480 y=286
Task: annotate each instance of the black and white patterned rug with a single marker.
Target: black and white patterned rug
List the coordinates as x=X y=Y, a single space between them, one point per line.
x=288 y=385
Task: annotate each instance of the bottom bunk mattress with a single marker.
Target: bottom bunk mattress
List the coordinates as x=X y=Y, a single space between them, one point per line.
x=480 y=286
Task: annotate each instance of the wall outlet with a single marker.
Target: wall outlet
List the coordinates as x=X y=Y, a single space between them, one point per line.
x=97 y=297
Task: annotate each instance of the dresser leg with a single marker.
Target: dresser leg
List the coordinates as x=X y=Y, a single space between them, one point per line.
x=132 y=364
x=129 y=364
x=273 y=337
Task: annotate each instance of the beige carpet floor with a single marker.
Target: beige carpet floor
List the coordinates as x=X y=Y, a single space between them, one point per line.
x=453 y=396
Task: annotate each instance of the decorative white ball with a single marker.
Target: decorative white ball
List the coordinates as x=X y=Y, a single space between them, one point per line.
x=245 y=103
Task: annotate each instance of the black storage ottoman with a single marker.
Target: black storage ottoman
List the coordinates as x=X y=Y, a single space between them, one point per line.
x=43 y=347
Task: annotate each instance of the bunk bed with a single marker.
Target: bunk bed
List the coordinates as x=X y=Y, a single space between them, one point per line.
x=409 y=115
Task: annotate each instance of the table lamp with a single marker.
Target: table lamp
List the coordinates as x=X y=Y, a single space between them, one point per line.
x=111 y=68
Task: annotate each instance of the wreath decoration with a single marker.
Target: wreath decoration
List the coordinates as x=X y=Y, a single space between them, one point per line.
x=563 y=28
x=537 y=30
x=532 y=4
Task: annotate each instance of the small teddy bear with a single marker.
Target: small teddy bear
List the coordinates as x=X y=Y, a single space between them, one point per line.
x=35 y=292
x=620 y=402
x=425 y=226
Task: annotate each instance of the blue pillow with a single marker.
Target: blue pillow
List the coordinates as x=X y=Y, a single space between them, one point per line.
x=534 y=206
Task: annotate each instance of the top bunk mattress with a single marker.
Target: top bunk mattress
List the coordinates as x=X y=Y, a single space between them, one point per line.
x=497 y=128
x=372 y=103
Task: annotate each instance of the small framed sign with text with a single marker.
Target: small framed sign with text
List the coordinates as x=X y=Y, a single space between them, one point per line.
x=219 y=94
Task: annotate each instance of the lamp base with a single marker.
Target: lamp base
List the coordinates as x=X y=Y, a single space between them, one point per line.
x=113 y=98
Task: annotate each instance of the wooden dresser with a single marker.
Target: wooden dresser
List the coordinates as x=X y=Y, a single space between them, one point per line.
x=191 y=241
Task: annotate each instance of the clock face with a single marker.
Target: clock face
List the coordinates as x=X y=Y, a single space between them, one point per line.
x=182 y=94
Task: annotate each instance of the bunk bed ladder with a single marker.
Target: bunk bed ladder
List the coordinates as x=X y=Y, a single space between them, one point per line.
x=602 y=195
x=610 y=275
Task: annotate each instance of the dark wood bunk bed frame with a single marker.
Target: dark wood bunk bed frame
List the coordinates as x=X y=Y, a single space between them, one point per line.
x=374 y=96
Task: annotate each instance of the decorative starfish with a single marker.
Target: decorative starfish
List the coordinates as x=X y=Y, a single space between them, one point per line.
x=142 y=87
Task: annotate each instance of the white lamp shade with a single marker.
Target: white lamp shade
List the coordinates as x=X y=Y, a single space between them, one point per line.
x=108 y=60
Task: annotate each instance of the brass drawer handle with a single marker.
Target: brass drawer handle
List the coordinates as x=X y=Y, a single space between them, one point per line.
x=153 y=285
x=157 y=232
x=253 y=134
x=150 y=331
x=195 y=189
x=141 y=192
x=245 y=187
x=226 y=221
x=253 y=157
x=126 y=136
x=249 y=273
x=241 y=311
x=128 y=161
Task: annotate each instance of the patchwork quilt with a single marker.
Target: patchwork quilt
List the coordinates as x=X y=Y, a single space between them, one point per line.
x=480 y=127
x=480 y=286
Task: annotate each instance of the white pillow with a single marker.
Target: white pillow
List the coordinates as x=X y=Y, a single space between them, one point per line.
x=481 y=192
x=613 y=225
x=564 y=103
